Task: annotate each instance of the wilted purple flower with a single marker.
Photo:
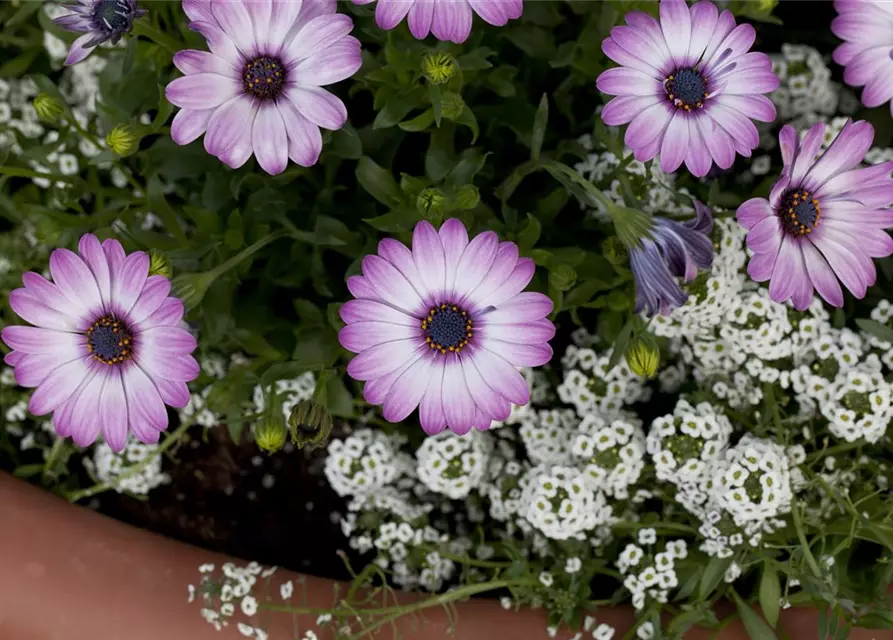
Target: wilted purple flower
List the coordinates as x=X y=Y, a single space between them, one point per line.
x=99 y=21
x=675 y=250
x=448 y=20
x=445 y=326
x=259 y=90
x=107 y=351
x=824 y=220
x=867 y=28
x=687 y=86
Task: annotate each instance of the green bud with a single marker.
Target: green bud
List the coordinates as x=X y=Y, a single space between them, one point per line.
x=643 y=357
x=123 y=140
x=439 y=67
x=49 y=108
x=766 y=6
x=430 y=203
x=452 y=105
x=159 y=265
x=562 y=277
x=270 y=434
x=309 y=424
x=467 y=197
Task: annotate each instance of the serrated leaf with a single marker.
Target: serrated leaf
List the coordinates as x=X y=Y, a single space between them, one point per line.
x=770 y=594
x=756 y=627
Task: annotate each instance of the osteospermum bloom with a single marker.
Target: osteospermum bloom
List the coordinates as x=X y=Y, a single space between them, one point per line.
x=106 y=351
x=448 y=20
x=867 y=28
x=688 y=86
x=445 y=326
x=674 y=250
x=259 y=90
x=824 y=220
x=99 y=21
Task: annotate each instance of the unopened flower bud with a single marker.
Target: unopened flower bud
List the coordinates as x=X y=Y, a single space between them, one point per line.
x=159 y=265
x=452 y=105
x=643 y=357
x=309 y=424
x=123 y=140
x=430 y=204
x=49 y=108
x=439 y=67
x=270 y=434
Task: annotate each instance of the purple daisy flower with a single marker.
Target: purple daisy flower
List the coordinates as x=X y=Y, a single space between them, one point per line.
x=687 y=86
x=107 y=351
x=259 y=90
x=824 y=220
x=445 y=326
x=448 y=20
x=99 y=21
x=675 y=250
x=867 y=28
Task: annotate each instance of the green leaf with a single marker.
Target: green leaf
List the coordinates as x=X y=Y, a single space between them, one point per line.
x=620 y=346
x=471 y=163
x=346 y=143
x=876 y=329
x=378 y=182
x=876 y=620
x=316 y=349
x=713 y=573
x=24 y=13
x=562 y=277
x=770 y=594
x=756 y=627
x=539 y=128
x=419 y=123
x=159 y=204
x=19 y=65
x=529 y=236
x=467 y=197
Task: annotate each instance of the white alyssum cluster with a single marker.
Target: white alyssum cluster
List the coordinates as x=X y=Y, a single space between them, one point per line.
x=120 y=469
x=229 y=594
x=753 y=481
x=548 y=434
x=453 y=465
x=656 y=189
x=806 y=86
x=683 y=444
x=363 y=463
x=288 y=393
x=860 y=403
x=591 y=386
x=559 y=502
x=650 y=574
x=612 y=454
x=198 y=410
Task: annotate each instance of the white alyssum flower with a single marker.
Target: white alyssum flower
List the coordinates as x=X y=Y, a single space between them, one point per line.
x=558 y=501
x=288 y=392
x=860 y=403
x=682 y=444
x=573 y=565
x=590 y=385
x=612 y=454
x=112 y=467
x=364 y=463
x=547 y=435
x=453 y=465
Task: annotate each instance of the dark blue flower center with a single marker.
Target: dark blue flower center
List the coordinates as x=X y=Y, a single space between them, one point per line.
x=686 y=89
x=113 y=15
x=799 y=214
x=110 y=341
x=447 y=328
x=264 y=77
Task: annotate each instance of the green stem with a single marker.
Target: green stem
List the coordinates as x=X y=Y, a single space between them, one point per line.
x=473 y=562
x=58 y=445
x=19 y=172
x=246 y=253
x=801 y=535
x=169 y=441
x=143 y=28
